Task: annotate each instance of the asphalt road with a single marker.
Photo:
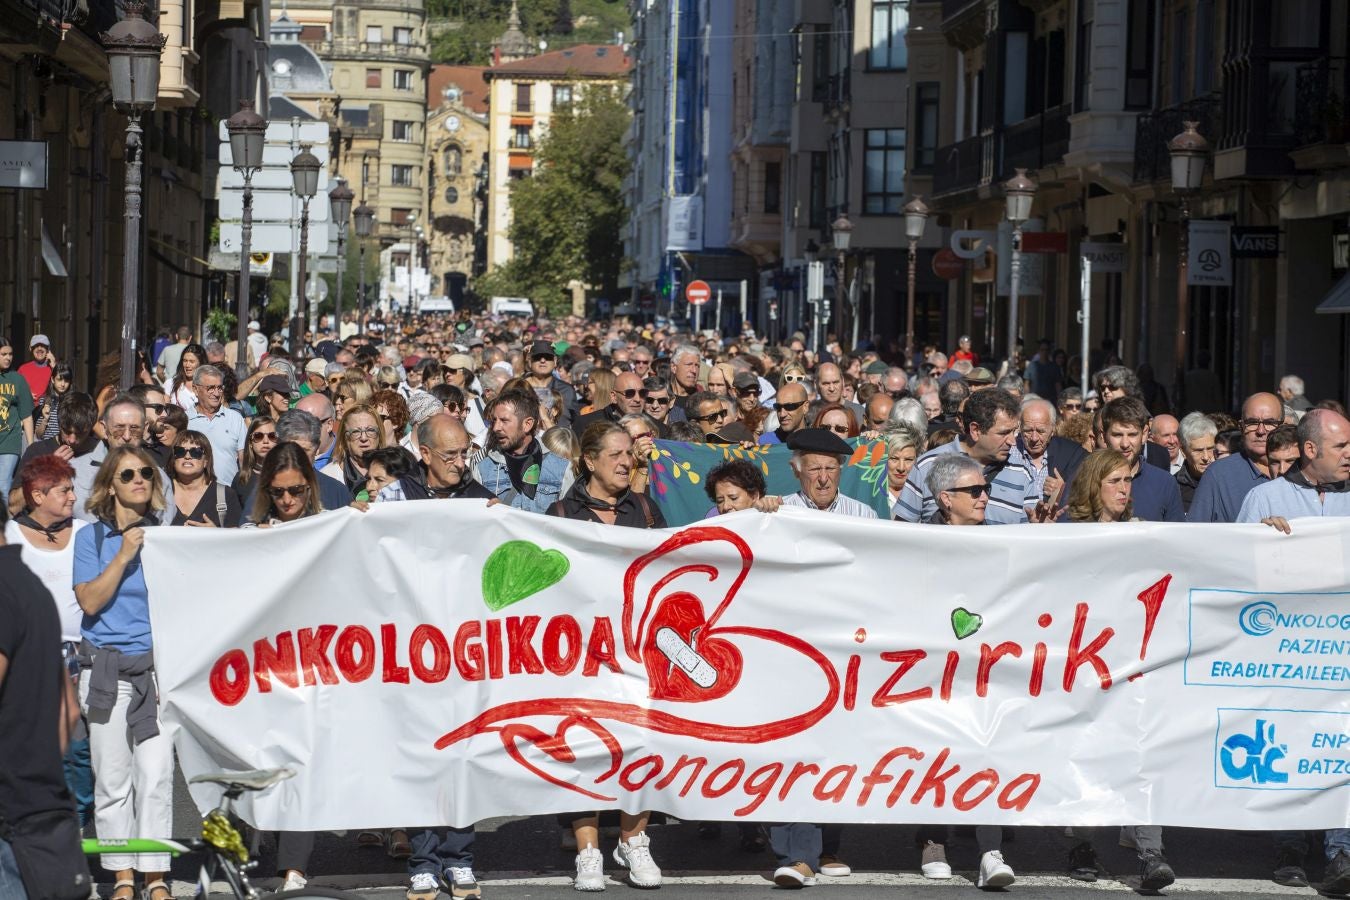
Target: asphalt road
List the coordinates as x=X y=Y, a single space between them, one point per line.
x=522 y=858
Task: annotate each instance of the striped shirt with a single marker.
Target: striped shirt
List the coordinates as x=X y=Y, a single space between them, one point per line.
x=1012 y=489
x=842 y=506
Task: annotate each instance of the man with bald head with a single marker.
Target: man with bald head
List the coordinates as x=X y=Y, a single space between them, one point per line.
x=625 y=399
x=894 y=383
x=830 y=386
x=877 y=412
x=790 y=404
x=444 y=445
x=1227 y=482
x=1163 y=432
x=321 y=408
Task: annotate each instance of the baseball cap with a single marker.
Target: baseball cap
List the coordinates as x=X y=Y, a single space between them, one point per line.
x=876 y=368
x=542 y=348
x=276 y=383
x=980 y=375
x=39 y=339
x=254 y=325
x=316 y=366
x=744 y=380
x=460 y=361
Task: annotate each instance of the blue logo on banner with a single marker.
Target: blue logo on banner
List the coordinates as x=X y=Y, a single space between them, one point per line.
x=1247 y=757
x=1258 y=618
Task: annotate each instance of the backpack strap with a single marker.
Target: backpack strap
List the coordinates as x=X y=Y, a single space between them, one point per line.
x=646 y=509
x=221 y=506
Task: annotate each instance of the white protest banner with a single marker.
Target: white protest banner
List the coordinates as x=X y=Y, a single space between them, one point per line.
x=442 y=662
x=1210 y=253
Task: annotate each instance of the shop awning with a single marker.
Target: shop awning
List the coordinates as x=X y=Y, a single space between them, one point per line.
x=1337 y=299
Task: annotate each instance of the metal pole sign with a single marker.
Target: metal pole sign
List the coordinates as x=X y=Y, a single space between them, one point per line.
x=1210 y=256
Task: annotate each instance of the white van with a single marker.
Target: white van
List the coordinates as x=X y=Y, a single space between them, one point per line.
x=511 y=306
x=437 y=305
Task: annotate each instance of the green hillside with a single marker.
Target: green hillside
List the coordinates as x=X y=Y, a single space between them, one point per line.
x=462 y=31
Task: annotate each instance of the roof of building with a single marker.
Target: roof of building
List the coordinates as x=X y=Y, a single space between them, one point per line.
x=469 y=79
x=280 y=108
x=581 y=61
x=297 y=70
x=513 y=44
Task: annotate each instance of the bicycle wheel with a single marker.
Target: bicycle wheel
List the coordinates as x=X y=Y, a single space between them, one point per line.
x=315 y=893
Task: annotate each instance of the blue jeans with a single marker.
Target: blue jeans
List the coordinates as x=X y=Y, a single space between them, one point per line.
x=11 y=885
x=9 y=463
x=80 y=779
x=434 y=853
x=1337 y=841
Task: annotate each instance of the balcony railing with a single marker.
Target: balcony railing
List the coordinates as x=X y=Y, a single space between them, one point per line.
x=1153 y=130
x=522 y=106
x=1322 y=91
x=962 y=166
x=837 y=96
x=386 y=49
x=1039 y=141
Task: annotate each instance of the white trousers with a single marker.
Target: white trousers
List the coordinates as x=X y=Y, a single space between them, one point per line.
x=133 y=784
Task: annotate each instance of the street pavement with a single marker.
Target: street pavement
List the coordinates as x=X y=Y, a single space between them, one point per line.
x=521 y=857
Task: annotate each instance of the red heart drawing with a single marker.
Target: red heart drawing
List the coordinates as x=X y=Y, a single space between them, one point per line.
x=683 y=614
x=556 y=746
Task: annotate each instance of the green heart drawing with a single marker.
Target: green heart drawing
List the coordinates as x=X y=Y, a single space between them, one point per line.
x=517 y=569
x=965 y=623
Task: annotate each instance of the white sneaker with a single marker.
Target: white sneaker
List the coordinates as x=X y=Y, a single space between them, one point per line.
x=590 y=870
x=934 y=863
x=424 y=886
x=294 y=881
x=636 y=856
x=994 y=872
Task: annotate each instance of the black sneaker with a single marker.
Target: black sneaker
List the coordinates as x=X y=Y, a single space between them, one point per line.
x=1289 y=868
x=1154 y=872
x=1336 y=880
x=1083 y=863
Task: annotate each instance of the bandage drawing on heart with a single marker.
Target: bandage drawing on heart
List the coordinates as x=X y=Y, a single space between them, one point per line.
x=675 y=600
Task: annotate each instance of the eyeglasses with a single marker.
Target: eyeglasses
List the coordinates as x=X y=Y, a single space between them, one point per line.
x=633 y=392
x=789 y=407
x=126 y=476
x=711 y=417
x=1254 y=424
x=794 y=379
x=188 y=452
x=368 y=431
x=295 y=490
x=449 y=455
x=259 y=436
x=837 y=429
x=896 y=395
x=543 y=357
x=335 y=379
x=156 y=408
x=971 y=490
x=1073 y=407
x=642 y=434
x=128 y=430
x=392 y=385
x=211 y=388
x=748 y=392
x=659 y=401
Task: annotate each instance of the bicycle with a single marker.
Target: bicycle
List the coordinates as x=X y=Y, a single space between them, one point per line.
x=225 y=857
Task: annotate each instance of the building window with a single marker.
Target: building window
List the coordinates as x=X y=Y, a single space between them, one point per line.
x=452 y=160
x=452 y=195
x=926 y=124
x=890 y=21
x=402 y=131
x=884 y=165
x=523 y=97
x=403 y=80
x=399 y=216
x=1203 y=76
x=403 y=36
x=520 y=137
x=401 y=176
x=815 y=216
x=373 y=78
x=837 y=192
x=562 y=96
x=773 y=187
x=1139 y=56
x=517 y=174
x=1082 y=75
x=820 y=64
x=374 y=34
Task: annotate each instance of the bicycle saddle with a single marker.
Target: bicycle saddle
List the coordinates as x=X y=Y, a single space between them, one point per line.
x=255 y=780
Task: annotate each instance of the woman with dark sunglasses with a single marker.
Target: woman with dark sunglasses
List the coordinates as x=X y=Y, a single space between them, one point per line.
x=288 y=488
x=131 y=755
x=261 y=438
x=199 y=499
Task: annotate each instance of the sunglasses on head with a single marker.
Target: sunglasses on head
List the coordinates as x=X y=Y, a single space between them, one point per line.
x=126 y=476
x=971 y=490
x=295 y=490
x=188 y=453
x=789 y=407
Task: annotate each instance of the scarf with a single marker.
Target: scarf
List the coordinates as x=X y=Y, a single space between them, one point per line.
x=524 y=468
x=1295 y=474
x=591 y=502
x=49 y=531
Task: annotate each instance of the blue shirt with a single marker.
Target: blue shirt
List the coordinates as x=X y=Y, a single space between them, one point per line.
x=124 y=622
x=226 y=431
x=1282 y=497
x=1155 y=496
x=1222 y=489
x=1012 y=490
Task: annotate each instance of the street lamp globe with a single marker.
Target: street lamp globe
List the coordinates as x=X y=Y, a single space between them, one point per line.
x=1018 y=192
x=1189 y=150
x=365 y=220
x=340 y=201
x=916 y=218
x=842 y=229
x=305 y=173
x=247 y=131
x=133 y=47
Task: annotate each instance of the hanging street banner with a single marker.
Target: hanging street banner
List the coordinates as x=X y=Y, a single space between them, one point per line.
x=1210 y=260
x=440 y=662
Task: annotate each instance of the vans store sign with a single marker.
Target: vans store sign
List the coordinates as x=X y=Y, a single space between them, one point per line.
x=1260 y=242
x=23 y=164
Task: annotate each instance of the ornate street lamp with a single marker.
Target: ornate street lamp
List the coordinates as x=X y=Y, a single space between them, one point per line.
x=340 y=205
x=1189 y=151
x=133 y=46
x=305 y=175
x=842 y=232
x=248 y=132
x=1018 y=192
x=916 y=220
x=364 y=217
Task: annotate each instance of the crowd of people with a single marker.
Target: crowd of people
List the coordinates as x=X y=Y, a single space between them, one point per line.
x=560 y=418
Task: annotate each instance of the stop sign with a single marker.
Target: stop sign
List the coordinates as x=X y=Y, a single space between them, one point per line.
x=698 y=293
x=946 y=264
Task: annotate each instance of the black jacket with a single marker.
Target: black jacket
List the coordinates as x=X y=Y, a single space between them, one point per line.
x=633 y=510
x=1064 y=456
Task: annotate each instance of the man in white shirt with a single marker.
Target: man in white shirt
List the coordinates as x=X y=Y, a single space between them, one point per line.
x=818 y=456
x=223 y=427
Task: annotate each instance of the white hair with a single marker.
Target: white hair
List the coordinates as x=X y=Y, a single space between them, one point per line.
x=1033 y=399
x=685 y=350
x=1292 y=383
x=1196 y=425
x=947 y=469
x=908 y=413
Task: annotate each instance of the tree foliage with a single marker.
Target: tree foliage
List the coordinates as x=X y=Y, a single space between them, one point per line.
x=567 y=219
x=478 y=23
